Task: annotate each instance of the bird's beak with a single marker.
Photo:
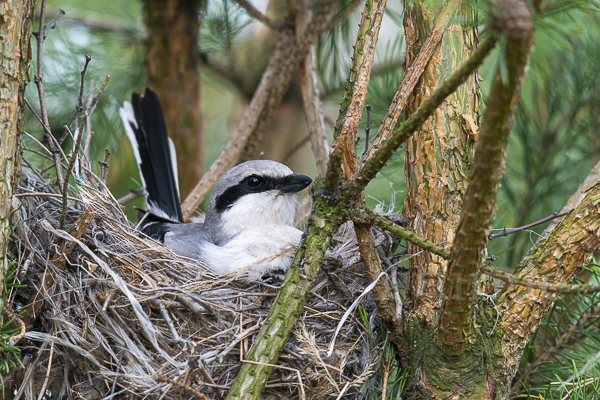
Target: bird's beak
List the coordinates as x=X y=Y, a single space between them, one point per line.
x=294 y=183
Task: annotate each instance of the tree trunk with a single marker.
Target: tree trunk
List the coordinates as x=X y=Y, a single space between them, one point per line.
x=16 y=21
x=173 y=65
x=436 y=168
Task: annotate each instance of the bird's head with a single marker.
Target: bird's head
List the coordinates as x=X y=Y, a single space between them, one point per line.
x=253 y=195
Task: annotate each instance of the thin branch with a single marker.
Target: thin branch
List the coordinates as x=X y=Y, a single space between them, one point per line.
x=312 y=111
x=410 y=80
x=506 y=232
x=38 y=79
x=257 y=15
x=343 y=15
x=375 y=163
x=585 y=288
x=104 y=165
x=367 y=216
x=309 y=86
x=273 y=85
x=132 y=195
x=343 y=157
x=75 y=154
x=79 y=106
x=576 y=197
x=367 y=131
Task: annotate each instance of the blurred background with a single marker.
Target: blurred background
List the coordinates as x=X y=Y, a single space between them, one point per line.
x=553 y=146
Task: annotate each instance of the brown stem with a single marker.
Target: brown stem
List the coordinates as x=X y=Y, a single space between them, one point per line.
x=38 y=79
x=257 y=15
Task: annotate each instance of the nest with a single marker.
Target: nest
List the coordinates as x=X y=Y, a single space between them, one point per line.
x=112 y=314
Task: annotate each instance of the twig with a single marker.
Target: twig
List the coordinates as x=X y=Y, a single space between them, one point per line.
x=525 y=227
x=409 y=81
x=375 y=163
x=74 y=155
x=82 y=85
x=366 y=216
x=367 y=130
x=43 y=391
x=37 y=141
x=132 y=195
x=38 y=79
x=104 y=165
x=257 y=15
x=296 y=148
x=585 y=288
x=187 y=388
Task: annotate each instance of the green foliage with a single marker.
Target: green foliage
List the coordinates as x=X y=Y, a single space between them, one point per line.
x=396 y=378
x=563 y=357
x=9 y=353
x=554 y=142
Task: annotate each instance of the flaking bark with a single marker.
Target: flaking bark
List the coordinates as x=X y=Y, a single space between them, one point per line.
x=16 y=20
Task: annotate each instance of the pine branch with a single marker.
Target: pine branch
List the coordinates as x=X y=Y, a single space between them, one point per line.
x=343 y=152
x=366 y=216
x=375 y=163
x=257 y=15
x=583 y=289
x=571 y=335
x=484 y=179
x=555 y=260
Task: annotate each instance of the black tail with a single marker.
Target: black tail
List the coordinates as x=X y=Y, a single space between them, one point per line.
x=150 y=132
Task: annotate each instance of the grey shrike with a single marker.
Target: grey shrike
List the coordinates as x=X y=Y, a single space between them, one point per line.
x=248 y=230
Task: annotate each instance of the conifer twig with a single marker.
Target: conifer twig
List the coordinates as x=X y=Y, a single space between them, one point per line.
x=585 y=288
x=367 y=216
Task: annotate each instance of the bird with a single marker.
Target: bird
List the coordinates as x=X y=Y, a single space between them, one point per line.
x=248 y=230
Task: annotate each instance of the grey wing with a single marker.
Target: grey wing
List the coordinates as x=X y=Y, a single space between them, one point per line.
x=187 y=239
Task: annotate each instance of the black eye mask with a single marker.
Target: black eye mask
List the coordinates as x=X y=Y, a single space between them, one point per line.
x=258 y=184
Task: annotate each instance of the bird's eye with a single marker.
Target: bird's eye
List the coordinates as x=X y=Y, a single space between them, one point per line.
x=254 y=181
